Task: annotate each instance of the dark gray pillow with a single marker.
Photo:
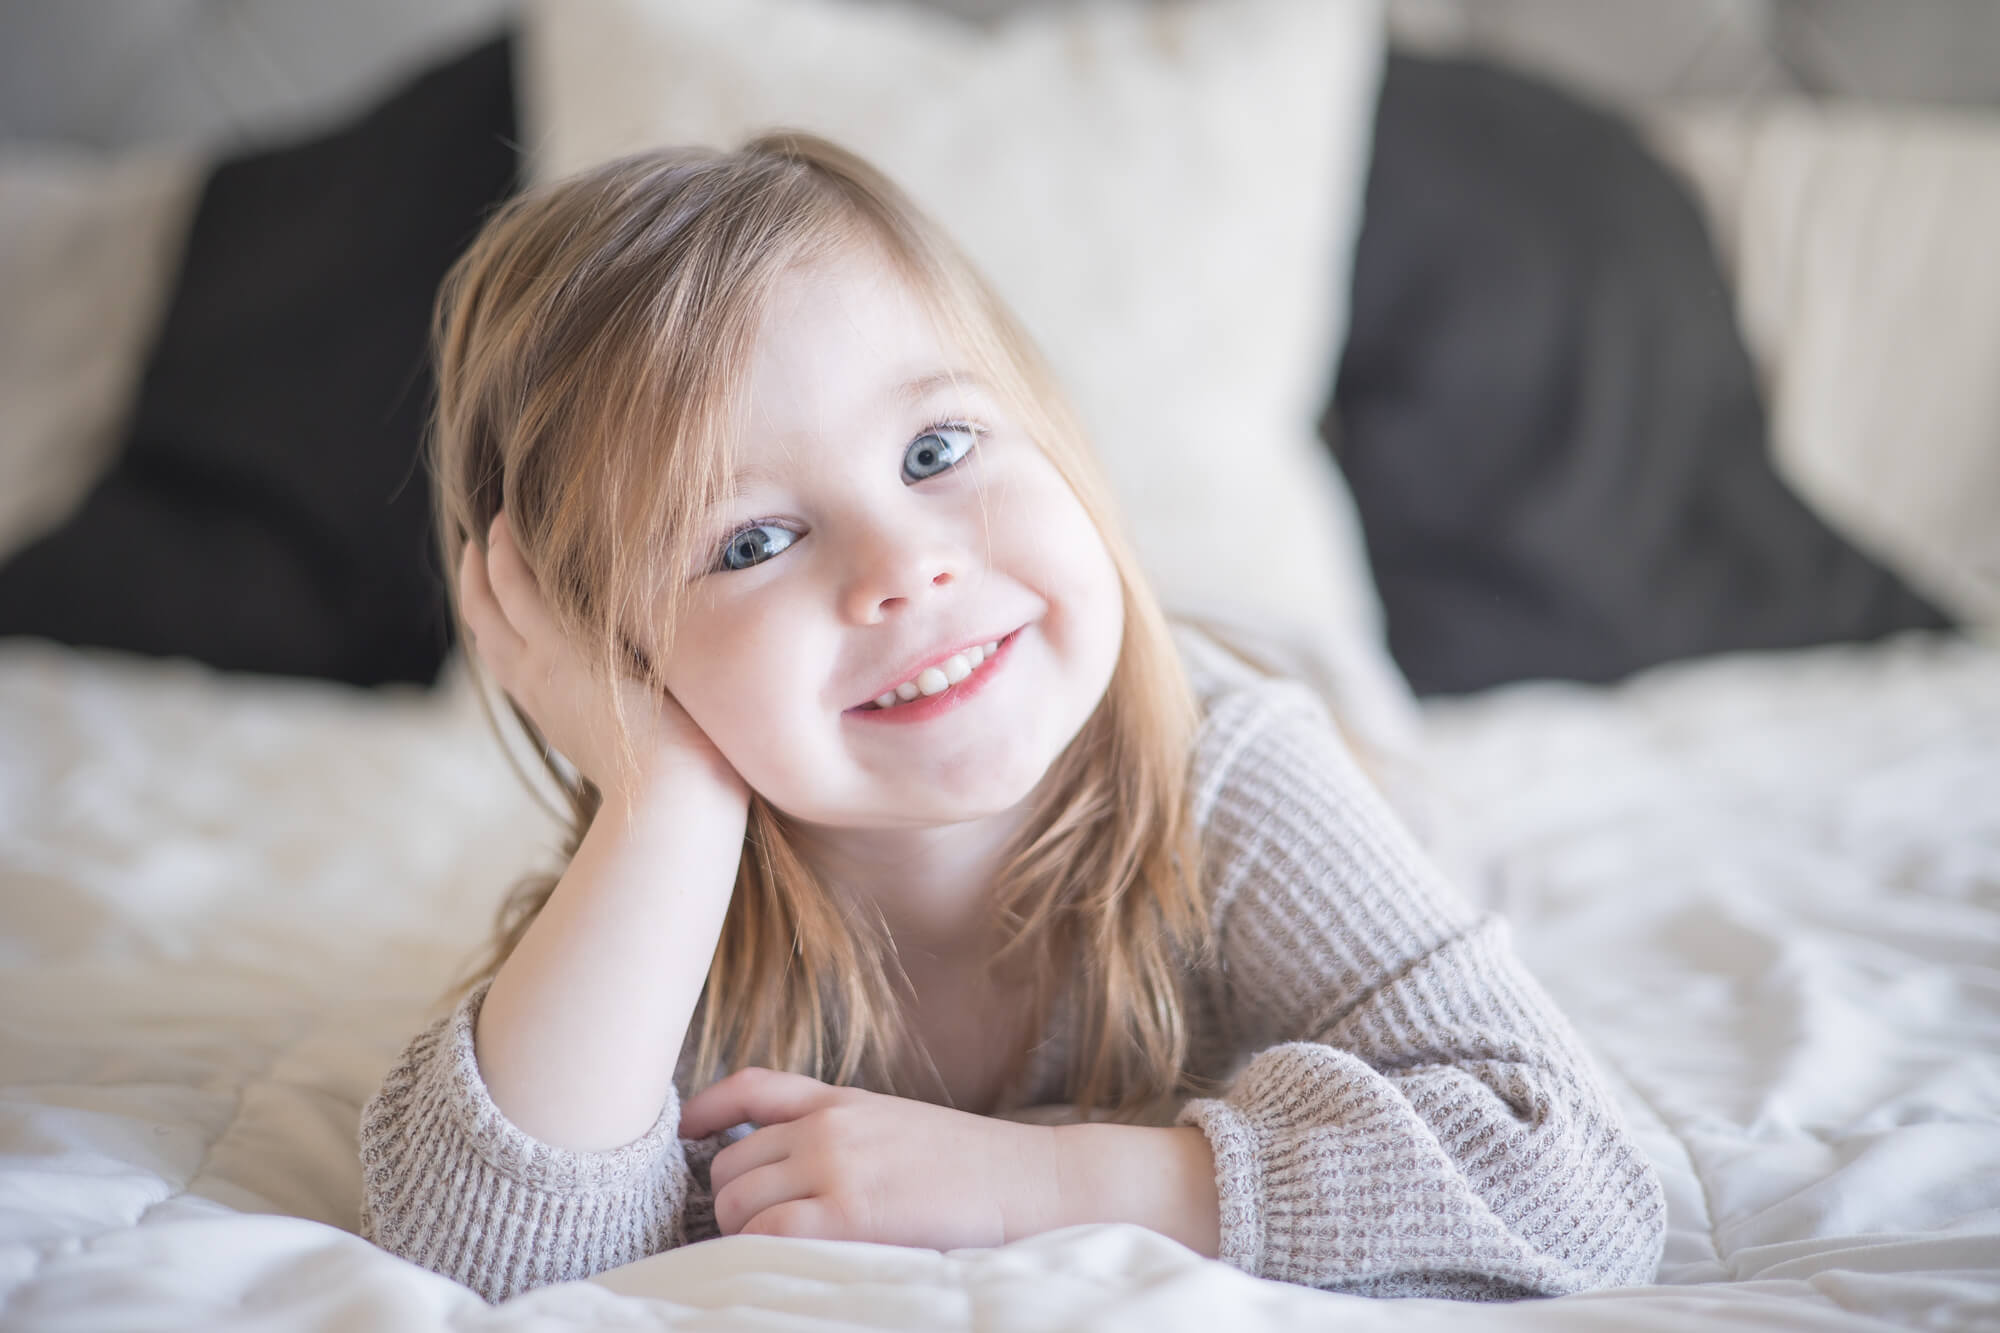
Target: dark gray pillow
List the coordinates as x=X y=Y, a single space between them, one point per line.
x=269 y=511
x=1546 y=413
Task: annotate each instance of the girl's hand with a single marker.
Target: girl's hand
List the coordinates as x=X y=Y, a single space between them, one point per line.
x=517 y=639
x=845 y=1164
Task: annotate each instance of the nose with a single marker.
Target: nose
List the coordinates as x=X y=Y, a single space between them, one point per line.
x=894 y=567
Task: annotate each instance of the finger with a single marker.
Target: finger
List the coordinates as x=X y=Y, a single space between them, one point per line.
x=767 y=1145
x=514 y=585
x=738 y=1203
x=761 y=1096
x=806 y=1219
x=494 y=638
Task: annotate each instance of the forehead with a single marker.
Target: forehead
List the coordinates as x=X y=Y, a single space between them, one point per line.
x=843 y=339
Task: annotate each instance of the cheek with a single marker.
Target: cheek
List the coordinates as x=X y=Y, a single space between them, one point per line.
x=730 y=673
x=1100 y=613
x=1070 y=559
x=748 y=676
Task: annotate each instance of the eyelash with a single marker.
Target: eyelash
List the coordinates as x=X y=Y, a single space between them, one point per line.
x=972 y=428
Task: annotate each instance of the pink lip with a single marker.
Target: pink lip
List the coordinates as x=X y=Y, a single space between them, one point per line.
x=935 y=659
x=925 y=707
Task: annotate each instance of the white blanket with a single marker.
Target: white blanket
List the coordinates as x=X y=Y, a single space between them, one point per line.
x=1767 y=888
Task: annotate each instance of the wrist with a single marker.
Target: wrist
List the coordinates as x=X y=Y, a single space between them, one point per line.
x=1039 y=1183
x=1163 y=1179
x=685 y=783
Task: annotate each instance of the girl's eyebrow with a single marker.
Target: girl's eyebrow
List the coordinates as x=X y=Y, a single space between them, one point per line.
x=923 y=385
x=909 y=393
x=746 y=477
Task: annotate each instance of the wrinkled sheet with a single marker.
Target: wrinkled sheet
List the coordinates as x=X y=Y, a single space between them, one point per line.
x=1766 y=887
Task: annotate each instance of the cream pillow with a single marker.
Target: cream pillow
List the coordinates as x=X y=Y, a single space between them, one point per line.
x=1166 y=195
x=89 y=249
x=1865 y=248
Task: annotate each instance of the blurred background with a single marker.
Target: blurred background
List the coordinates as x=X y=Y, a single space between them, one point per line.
x=1589 y=419
x=114 y=73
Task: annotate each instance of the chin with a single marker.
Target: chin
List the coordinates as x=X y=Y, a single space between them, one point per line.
x=983 y=801
x=934 y=807
x=991 y=793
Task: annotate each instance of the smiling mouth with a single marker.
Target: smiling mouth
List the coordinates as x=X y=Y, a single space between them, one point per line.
x=940 y=679
x=954 y=695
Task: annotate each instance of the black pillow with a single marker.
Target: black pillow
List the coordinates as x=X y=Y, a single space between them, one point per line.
x=269 y=511
x=1549 y=422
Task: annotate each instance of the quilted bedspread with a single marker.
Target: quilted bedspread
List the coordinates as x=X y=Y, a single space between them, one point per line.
x=1767 y=888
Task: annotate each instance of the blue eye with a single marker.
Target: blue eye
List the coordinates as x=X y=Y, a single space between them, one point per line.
x=755 y=545
x=938 y=449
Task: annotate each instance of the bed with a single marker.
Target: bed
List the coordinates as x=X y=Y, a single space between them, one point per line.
x=1766 y=886
x=1751 y=844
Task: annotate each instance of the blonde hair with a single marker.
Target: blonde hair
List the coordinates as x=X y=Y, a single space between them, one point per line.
x=590 y=349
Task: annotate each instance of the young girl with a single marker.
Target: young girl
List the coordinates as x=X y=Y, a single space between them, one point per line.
x=1009 y=906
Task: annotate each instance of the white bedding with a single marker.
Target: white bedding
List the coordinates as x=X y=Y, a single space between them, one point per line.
x=1767 y=888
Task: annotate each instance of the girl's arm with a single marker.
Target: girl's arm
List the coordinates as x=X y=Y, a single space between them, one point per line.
x=532 y=1136
x=1417 y=1119
x=577 y=1037
x=515 y=1147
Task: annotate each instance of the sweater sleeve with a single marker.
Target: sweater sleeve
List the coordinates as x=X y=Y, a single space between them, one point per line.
x=1417 y=1118
x=453 y=1185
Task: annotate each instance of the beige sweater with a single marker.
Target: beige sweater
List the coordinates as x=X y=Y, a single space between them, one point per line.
x=1408 y=1116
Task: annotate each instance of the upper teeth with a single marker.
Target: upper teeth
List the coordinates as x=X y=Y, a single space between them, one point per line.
x=938 y=679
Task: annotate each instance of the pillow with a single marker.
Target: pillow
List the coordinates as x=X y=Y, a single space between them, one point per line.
x=1166 y=195
x=268 y=510
x=89 y=245
x=1868 y=283
x=1547 y=416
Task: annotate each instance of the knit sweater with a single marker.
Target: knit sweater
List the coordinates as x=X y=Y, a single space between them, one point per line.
x=1404 y=1112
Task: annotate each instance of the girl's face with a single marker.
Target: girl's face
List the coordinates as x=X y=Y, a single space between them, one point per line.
x=888 y=521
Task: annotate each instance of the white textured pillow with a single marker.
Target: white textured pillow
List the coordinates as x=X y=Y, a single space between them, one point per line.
x=1865 y=244
x=1166 y=195
x=89 y=247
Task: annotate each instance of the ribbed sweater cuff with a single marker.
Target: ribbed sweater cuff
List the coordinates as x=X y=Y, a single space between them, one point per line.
x=1284 y=1188
x=458 y=1091
x=1239 y=1179
x=452 y=1184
